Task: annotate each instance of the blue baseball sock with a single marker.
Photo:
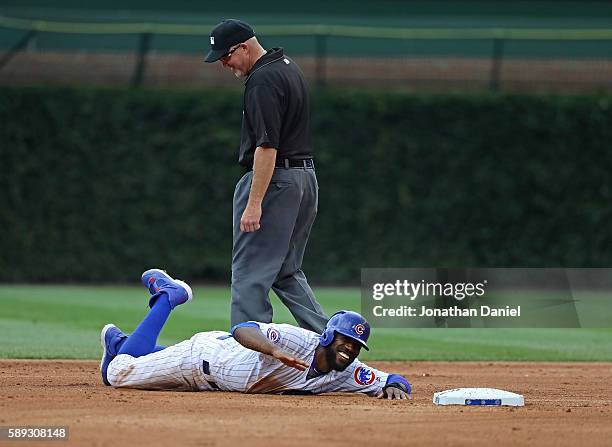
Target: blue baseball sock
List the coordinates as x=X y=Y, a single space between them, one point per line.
x=142 y=340
x=123 y=340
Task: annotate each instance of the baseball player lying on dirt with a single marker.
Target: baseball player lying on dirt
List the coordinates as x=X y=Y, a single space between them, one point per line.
x=283 y=359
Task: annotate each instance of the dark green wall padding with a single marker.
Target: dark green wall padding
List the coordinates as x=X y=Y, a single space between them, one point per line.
x=100 y=184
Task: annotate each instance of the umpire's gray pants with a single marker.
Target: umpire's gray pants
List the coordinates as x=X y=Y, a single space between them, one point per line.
x=271 y=257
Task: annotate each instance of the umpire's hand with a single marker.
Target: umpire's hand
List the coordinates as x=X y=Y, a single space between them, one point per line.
x=250 y=218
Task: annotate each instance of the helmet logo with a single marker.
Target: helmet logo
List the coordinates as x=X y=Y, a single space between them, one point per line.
x=359 y=329
x=364 y=376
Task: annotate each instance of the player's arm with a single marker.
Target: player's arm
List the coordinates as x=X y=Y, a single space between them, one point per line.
x=249 y=335
x=362 y=378
x=263 y=168
x=396 y=387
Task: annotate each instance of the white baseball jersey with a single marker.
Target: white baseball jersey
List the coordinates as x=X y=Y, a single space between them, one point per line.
x=216 y=361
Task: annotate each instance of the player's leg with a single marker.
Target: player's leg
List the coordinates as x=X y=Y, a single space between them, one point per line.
x=166 y=293
x=142 y=341
x=291 y=285
x=113 y=339
x=184 y=366
x=257 y=257
x=168 y=369
x=115 y=342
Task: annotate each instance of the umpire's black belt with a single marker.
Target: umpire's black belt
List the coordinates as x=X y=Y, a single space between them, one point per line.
x=295 y=163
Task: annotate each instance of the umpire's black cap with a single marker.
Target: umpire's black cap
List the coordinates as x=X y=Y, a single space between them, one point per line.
x=225 y=35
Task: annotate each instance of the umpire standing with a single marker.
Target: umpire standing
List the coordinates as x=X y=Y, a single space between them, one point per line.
x=275 y=202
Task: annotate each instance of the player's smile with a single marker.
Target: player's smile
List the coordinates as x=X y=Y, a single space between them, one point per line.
x=346 y=349
x=343 y=359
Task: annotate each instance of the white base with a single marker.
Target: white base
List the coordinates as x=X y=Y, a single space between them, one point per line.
x=478 y=396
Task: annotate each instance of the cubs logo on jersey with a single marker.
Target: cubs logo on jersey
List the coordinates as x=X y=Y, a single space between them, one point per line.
x=364 y=376
x=273 y=335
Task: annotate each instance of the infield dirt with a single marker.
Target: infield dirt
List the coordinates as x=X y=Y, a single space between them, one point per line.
x=566 y=404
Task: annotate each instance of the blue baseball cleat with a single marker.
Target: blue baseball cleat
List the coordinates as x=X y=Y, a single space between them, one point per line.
x=157 y=281
x=110 y=337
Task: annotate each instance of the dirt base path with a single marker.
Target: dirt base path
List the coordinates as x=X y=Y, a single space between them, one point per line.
x=567 y=404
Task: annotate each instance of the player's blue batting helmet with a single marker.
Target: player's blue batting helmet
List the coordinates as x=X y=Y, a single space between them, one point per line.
x=347 y=323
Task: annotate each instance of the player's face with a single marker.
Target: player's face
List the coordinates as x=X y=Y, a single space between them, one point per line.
x=342 y=352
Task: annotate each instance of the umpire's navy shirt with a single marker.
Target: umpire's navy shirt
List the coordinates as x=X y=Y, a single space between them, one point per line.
x=276 y=109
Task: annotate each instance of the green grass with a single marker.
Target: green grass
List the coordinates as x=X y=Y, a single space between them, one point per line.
x=64 y=322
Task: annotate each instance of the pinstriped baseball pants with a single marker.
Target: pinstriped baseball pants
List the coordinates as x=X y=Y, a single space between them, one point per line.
x=175 y=368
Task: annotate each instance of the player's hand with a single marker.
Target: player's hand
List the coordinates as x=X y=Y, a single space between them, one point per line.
x=290 y=360
x=250 y=218
x=391 y=392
